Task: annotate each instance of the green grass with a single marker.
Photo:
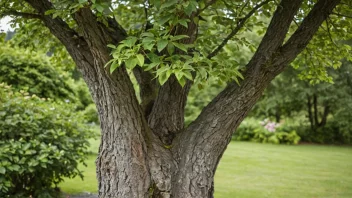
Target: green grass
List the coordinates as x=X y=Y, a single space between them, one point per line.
x=89 y=184
x=303 y=171
x=265 y=170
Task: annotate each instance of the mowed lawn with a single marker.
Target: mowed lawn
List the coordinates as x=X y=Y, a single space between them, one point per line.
x=252 y=170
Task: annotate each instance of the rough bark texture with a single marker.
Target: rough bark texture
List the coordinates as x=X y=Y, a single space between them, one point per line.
x=145 y=150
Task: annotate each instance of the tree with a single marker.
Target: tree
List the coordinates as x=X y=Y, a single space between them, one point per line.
x=325 y=105
x=145 y=148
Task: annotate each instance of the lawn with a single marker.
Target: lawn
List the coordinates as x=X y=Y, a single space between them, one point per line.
x=265 y=170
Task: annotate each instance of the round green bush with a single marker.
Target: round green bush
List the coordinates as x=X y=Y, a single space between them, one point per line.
x=41 y=142
x=33 y=72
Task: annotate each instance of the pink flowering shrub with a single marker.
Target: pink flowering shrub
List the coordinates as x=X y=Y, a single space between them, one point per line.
x=269 y=125
x=265 y=131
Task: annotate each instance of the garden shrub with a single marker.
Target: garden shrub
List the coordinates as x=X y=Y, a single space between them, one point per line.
x=33 y=72
x=265 y=132
x=334 y=132
x=41 y=142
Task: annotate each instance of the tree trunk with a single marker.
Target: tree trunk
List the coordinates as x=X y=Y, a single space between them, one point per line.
x=145 y=150
x=310 y=113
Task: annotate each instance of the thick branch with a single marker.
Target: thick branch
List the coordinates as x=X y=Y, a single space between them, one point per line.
x=300 y=39
x=21 y=14
x=239 y=26
x=97 y=35
x=207 y=137
x=276 y=32
x=75 y=45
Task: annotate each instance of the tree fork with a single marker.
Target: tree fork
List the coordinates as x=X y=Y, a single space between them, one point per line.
x=136 y=154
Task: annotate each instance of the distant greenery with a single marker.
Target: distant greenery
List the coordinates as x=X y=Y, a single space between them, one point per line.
x=34 y=73
x=265 y=132
x=327 y=107
x=43 y=76
x=91 y=114
x=251 y=170
x=41 y=142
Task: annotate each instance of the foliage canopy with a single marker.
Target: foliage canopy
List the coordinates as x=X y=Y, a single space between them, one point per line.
x=152 y=45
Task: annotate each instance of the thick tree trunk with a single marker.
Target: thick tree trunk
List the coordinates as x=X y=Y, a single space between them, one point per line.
x=148 y=152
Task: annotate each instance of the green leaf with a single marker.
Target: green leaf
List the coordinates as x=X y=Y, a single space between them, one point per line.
x=183 y=23
x=178 y=74
x=162 y=44
x=151 y=66
x=164 y=19
x=180 y=46
x=192 y=6
x=178 y=37
x=131 y=63
x=48 y=12
x=111 y=46
x=149 y=46
x=15 y=167
x=170 y=48
x=99 y=8
x=130 y=41
x=2 y=170
x=187 y=74
x=202 y=72
x=113 y=66
x=162 y=78
x=140 y=58
x=147 y=34
x=182 y=81
x=168 y=3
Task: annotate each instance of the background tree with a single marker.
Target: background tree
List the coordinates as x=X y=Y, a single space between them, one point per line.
x=324 y=106
x=145 y=149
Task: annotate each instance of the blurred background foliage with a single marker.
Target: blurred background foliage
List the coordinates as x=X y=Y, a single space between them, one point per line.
x=46 y=118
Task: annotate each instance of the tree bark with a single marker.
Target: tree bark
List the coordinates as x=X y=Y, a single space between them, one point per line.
x=149 y=153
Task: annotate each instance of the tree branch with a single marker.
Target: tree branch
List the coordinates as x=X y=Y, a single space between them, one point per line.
x=300 y=39
x=207 y=137
x=276 y=33
x=97 y=35
x=21 y=14
x=342 y=15
x=240 y=24
x=68 y=37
